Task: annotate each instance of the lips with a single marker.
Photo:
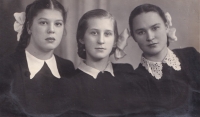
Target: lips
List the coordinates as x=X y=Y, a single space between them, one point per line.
x=100 y=48
x=152 y=44
x=50 y=39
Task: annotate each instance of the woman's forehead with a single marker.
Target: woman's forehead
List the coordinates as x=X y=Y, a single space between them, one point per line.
x=147 y=19
x=101 y=22
x=49 y=14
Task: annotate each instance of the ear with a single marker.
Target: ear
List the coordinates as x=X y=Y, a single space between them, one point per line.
x=81 y=41
x=115 y=44
x=28 y=28
x=167 y=27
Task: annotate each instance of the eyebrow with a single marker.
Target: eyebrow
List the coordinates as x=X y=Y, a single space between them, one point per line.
x=47 y=19
x=98 y=29
x=144 y=28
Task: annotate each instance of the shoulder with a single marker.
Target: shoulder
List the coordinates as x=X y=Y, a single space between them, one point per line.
x=141 y=70
x=80 y=73
x=187 y=54
x=80 y=76
x=185 y=51
x=123 y=67
x=11 y=60
x=64 y=62
x=65 y=67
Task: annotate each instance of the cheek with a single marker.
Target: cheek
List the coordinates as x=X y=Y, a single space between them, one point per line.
x=89 y=43
x=163 y=36
x=141 y=40
x=37 y=31
x=60 y=35
x=60 y=31
x=111 y=41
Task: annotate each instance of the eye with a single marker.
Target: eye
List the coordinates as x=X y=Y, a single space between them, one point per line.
x=108 y=34
x=93 y=33
x=141 y=32
x=58 y=24
x=43 y=22
x=155 y=28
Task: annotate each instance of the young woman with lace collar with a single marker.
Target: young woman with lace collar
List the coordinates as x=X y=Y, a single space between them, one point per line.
x=30 y=77
x=172 y=75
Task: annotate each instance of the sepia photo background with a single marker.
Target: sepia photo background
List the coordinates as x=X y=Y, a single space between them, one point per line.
x=185 y=18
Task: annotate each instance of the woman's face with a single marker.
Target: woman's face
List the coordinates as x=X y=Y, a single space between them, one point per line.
x=99 y=38
x=150 y=32
x=46 y=30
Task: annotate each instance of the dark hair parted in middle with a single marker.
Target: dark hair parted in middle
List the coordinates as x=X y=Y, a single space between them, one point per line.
x=145 y=8
x=83 y=25
x=31 y=12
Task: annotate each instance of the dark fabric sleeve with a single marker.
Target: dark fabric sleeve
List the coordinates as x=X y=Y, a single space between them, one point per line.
x=190 y=62
x=9 y=106
x=5 y=79
x=123 y=67
x=193 y=65
x=195 y=69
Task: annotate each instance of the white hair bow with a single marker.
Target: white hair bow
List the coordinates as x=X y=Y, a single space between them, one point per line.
x=121 y=44
x=18 y=25
x=172 y=30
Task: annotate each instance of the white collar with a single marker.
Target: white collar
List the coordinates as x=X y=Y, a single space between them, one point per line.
x=35 y=65
x=94 y=72
x=155 y=68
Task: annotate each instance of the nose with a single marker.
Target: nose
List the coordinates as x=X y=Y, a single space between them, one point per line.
x=101 y=39
x=51 y=28
x=150 y=35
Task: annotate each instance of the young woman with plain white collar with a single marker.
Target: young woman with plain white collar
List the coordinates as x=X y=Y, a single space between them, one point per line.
x=103 y=88
x=31 y=76
x=172 y=75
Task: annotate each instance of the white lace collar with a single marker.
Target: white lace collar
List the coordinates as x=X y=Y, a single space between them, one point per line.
x=94 y=72
x=35 y=65
x=155 y=68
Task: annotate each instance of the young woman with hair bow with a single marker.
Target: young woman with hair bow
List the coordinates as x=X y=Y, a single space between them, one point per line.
x=104 y=88
x=30 y=77
x=173 y=76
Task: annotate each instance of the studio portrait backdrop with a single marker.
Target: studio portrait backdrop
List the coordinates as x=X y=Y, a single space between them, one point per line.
x=185 y=18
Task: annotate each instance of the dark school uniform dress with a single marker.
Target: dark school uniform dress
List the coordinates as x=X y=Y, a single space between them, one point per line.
x=43 y=95
x=104 y=93
x=174 y=93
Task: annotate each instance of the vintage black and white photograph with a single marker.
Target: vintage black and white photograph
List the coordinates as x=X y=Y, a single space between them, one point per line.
x=99 y=58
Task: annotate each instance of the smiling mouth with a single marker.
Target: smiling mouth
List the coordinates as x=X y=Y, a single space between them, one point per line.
x=50 y=39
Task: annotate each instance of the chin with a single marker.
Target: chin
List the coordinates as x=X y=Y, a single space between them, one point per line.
x=99 y=57
x=48 y=49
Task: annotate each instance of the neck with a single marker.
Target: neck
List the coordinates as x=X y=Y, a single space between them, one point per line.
x=43 y=55
x=157 y=57
x=98 y=64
